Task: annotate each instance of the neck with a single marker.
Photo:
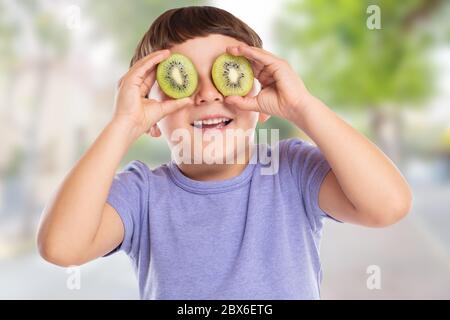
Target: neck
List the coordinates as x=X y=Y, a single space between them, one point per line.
x=212 y=172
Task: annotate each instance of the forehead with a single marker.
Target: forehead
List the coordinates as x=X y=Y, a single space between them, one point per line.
x=205 y=49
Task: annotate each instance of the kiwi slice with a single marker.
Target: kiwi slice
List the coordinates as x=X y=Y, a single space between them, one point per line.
x=232 y=75
x=177 y=76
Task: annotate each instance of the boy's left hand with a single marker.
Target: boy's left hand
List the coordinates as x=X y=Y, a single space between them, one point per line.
x=282 y=94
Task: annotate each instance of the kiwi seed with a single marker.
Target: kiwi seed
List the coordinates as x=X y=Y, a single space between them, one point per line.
x=177 y=76
x=232 y=75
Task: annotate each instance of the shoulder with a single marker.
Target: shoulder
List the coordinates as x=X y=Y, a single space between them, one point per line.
x=141 y=169
x=290 y=150
x=137 y=179
x=293 y=145
x=278 y=157
x=136 y=166
x=300 y=157
x=137 y=170
x=294 y=148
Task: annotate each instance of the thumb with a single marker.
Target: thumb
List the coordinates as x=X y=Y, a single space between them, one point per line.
x=160 y=109
x=244 y=103
x=170 y=106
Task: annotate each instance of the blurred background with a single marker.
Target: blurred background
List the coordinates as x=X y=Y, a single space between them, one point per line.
x=59 y=65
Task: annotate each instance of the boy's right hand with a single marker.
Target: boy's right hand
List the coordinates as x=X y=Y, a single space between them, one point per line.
x=132 y=107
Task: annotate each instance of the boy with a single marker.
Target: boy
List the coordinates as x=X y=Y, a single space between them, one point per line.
x=211 y=230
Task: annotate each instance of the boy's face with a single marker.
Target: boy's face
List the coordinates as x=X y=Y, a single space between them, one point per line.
x=208 y=103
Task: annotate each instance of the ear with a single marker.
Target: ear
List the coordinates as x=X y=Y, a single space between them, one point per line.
x=263 y=117
x=154 y=131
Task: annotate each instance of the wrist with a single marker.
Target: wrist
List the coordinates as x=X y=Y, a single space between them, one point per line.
x=312 y=116
x=300 y=110
x=125 y=128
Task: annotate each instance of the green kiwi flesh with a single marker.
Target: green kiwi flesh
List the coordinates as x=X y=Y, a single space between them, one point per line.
x=177 y=76
x=232 y=75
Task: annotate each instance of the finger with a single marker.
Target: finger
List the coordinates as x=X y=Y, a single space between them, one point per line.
x=170 y=106
x=266 y=78
x=147 y=84
x=258 y=67
x=243 y=103
x=163 y=108
x=262 y=57
x=141 y=62
x=120 y=82
x=264 y=51
x=138 y=72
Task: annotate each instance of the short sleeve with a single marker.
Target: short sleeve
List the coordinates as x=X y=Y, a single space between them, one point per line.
x=128 y=195
x=308 y=167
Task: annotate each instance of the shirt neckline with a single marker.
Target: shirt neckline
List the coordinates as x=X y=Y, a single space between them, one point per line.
x=218 y=186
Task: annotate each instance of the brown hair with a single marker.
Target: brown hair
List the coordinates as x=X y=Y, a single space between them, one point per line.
x=180 y=24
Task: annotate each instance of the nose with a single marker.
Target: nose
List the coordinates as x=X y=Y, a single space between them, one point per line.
x=207 y=93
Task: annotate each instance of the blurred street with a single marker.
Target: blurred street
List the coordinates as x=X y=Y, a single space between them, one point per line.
x=414 y=257
x=30 y=277
x=59 y=66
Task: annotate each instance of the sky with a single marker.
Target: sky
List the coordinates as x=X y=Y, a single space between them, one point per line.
x=259 y=15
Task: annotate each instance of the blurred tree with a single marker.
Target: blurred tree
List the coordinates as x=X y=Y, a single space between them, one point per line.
x=354 y=68
x=28 y=24
x=126 y=23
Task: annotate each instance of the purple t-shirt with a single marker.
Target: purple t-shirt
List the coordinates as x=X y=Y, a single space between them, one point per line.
x=254 y=236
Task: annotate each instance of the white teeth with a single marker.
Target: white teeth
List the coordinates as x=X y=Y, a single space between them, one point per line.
x=214 y=120
x=199 y=123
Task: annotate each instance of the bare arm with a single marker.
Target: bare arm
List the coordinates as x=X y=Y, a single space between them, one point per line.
x=364 y=186
x=71 y=221
x=78 y=225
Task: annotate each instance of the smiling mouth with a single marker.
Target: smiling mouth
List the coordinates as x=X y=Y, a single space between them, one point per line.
x=212 y=123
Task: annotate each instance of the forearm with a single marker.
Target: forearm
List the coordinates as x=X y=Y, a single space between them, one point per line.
x=369 y=179
x=72 y=218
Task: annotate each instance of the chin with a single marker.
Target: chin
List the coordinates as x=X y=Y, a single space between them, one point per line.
x=211 y=146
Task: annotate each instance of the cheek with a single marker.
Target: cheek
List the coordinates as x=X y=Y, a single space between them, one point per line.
x=164 y=127
x=247 y=119
x=170 y=123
